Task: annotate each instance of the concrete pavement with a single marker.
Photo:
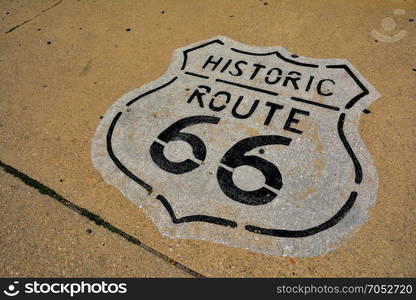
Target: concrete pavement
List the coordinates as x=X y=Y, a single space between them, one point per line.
x=65 y=62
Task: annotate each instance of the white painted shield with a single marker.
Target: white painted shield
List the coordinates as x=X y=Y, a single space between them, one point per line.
x=251 y=147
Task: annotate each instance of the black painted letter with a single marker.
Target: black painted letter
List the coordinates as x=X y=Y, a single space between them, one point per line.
x=291 y=119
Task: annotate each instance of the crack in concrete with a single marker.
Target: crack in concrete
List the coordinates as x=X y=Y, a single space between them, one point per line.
x=31 y=19
x=43 y=189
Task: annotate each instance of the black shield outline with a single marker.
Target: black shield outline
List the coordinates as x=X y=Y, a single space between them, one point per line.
x=231 y=223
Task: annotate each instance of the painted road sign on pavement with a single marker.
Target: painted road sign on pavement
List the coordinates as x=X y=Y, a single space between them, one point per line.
x=251 y=147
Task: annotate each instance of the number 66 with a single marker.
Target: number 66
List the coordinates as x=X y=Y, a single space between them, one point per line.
x=233 y=158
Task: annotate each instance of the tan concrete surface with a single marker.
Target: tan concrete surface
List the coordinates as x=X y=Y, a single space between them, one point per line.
x=41 y=237
x=52 y=96
x=15 y=12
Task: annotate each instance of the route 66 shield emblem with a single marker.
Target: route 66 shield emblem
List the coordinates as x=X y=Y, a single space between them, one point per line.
x=252 y=147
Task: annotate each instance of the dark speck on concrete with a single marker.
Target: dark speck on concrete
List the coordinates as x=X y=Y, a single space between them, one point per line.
x=49 y=42
x=265 y=3
x=261 y=151
x=80 y=28
x=366 y=111
x=376 y=41
x=7 y=13
x=39 y=29
x=128 y=29
x=88 y=231
x=101 y=117
x=61 y=180
x=162 y=12
x=411 y=20
x=295 y=55
x=231 y=16
x=44 y=86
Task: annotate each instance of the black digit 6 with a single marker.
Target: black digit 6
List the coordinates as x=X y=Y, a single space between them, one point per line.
x=235 y=158
x=172 y=133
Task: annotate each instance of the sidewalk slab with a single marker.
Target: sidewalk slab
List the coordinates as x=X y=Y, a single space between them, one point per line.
x=59 y=81
x=42 y=238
